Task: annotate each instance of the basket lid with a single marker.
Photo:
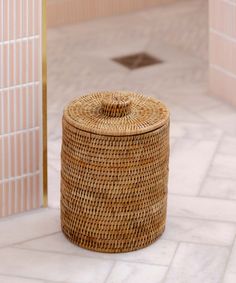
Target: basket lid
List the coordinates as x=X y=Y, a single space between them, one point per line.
x=117 y=113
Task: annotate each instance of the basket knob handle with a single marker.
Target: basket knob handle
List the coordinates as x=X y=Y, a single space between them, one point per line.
x=116 y=105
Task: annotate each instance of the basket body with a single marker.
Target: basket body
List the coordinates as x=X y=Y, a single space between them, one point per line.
x=114 y=188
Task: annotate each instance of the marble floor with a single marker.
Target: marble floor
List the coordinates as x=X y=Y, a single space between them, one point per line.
x=199 y=244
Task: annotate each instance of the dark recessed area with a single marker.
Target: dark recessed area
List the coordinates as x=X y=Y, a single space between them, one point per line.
x=138 y=60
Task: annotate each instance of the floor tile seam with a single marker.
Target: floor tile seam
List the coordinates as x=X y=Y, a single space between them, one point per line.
x=171 y=263
x=110 y=272
x=228 y=260
x=203 y=219
x=29 y=278
x=204 y=197
x=218 y=176
x=93 y=256
x=210 y=164
x=28 y=240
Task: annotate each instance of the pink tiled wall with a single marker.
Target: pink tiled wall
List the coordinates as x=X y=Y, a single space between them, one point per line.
x=223 y=49
x=60 y=12
x=20 y=106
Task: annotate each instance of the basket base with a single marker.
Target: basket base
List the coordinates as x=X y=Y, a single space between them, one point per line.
x=117 y=250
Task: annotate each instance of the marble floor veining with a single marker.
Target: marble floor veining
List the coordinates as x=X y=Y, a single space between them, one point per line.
x=199 y=244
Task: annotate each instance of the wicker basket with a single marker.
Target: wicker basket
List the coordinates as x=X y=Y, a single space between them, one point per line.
x=114 y=173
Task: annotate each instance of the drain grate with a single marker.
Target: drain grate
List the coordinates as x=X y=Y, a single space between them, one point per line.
x=139 y=60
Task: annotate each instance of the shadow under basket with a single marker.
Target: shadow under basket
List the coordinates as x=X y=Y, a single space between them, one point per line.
x=114 y=173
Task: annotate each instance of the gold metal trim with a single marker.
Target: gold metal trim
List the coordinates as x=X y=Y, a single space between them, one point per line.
x=44 y=102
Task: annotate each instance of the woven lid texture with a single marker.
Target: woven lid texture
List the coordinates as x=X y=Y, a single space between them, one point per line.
x=116 y=113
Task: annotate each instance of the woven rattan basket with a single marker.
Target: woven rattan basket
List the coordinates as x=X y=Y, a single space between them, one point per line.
x=114 y=174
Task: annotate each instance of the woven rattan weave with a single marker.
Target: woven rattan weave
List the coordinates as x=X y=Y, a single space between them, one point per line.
x=114 y=173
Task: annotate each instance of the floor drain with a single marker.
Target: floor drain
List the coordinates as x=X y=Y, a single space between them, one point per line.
x=138 y=60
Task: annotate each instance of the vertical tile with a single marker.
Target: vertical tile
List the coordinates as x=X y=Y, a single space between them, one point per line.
x=24 y=17
x=6 y=157
x=37 y=16
x=6 y=20
x=1 y=200
x=38 y=199
x=11 y=19
x=17 y=63
x=37 y=56
x=5 y=66
x=12 y=197
x=19 y=155
x=37 y=149
x=30 y=17
x=1 y=18
x=24 y=67
x=223 y=49
x=19 y=195
x=12 y=148
x=31 y=159
x=223 y=85
x=18 y=18
x=25 y=192
x=6 y=199
x=11 y=65
x=1 y=160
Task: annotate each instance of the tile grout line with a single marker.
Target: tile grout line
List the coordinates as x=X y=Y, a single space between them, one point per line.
x=230 y=2
x=2 y=172
x=203 y=219
x=29 y=278
x=223 y=35
x=32 y=212
x=20 y=132
x=219 y=177
x=21 y=193
x=9 y=142
x=33 y=239
x=27 y=142
x=204 y=120
x=205 y=197
x=41 y=184
x=15 y=118
x=210 y=165
x=21 y=39
x=222 y=70
x=19 y=177
x=118 y=259
x=83 y=256
x=14 y=245
x=228 y=259
x=110 y=271
x=20 y=85
x=222 y=177
x=170 y=265
x=34 y=111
